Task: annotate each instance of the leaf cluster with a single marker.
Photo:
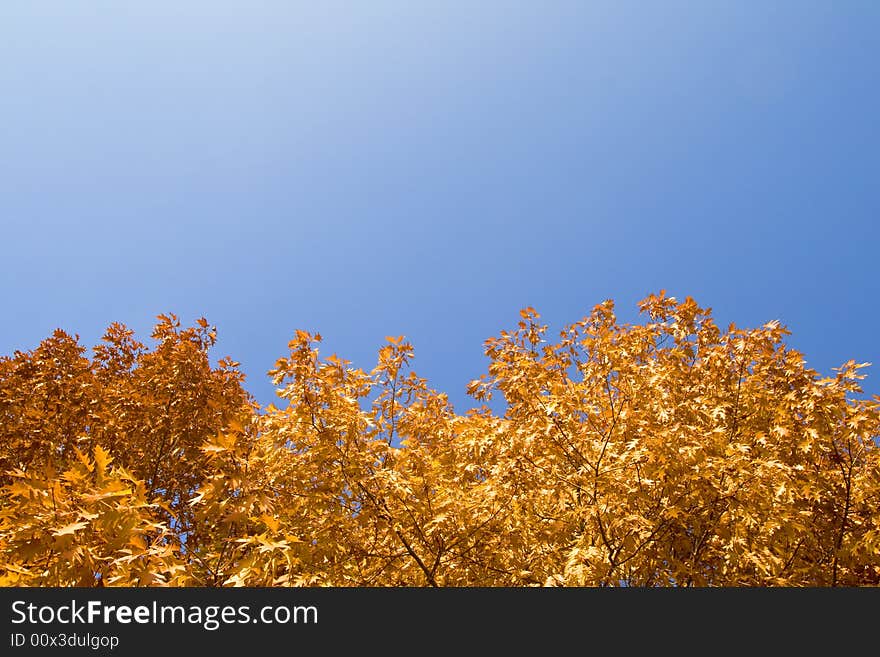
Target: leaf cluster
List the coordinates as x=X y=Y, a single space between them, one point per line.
x=664 y=453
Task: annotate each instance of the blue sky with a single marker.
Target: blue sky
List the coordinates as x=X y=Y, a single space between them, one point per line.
x=372 y=168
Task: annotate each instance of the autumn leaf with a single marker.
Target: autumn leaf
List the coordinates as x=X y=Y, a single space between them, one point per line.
x=102 y=458
x=70 y=529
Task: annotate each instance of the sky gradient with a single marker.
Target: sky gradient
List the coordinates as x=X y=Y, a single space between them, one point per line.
x=365 y=169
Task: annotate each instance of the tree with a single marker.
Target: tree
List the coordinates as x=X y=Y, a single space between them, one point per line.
x=668 y=452
x=64 y=418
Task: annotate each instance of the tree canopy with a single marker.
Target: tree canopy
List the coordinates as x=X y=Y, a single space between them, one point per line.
x=663 y=453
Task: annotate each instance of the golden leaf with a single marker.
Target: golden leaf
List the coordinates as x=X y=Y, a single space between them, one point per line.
x=70 y=529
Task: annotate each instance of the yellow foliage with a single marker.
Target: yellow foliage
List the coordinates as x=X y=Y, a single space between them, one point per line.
x=663 y=453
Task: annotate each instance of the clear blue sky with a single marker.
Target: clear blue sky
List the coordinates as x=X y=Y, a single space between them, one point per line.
x=373 y=168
